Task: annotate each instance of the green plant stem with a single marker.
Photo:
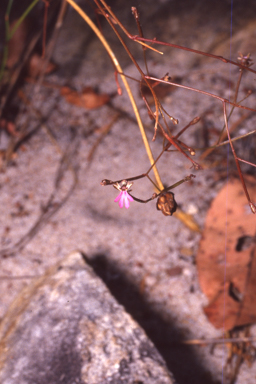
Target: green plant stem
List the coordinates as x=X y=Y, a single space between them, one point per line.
x=9 y=6
x=23 y=16
x=4 y=59
x=9 y=34
x=120 y=71
x=5 y=50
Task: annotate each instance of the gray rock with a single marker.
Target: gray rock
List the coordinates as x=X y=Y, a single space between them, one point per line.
x=66 y=327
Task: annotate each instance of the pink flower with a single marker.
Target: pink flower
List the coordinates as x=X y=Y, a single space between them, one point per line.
x=123 y=199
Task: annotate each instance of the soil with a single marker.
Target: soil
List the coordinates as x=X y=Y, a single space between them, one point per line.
x=147 y=260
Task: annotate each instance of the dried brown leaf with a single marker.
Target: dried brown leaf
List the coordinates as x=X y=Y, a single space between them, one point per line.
x=9 y=126
x=226 y=264
x=88 y=99
x=36 y=66
x=17 y=43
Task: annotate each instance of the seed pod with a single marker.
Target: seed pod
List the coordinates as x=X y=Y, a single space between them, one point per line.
x=166 y=203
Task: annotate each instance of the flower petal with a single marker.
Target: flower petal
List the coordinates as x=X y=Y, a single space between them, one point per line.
x=127 y=203
x=118 y=197
x=124 y=199
x=121 y=201
x=127 y=198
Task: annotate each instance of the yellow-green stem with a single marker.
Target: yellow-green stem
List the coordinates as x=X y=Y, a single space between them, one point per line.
x=128 y=89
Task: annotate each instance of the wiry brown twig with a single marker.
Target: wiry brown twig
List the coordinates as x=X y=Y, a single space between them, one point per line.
x=244 y=65
x=51 y=207
x=104 y=131
x=223 y=340
x=251 y=204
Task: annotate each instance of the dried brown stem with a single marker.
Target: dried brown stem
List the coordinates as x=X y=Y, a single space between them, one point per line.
x=251 y=204
x=219 y=341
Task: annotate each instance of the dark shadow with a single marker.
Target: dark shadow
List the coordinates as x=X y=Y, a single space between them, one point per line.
x=182 y=360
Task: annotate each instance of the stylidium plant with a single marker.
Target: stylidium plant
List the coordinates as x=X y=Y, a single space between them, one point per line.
x=123 y=198
x=160 y=115
x=164 y=122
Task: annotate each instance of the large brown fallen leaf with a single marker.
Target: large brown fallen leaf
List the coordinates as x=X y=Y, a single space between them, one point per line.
x=226 y=259
x=88 y=99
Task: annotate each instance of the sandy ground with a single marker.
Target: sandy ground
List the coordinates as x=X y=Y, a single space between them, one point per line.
x=134 y=250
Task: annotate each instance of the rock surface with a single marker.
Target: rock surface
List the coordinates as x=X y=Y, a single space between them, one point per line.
x=147 y=260
x=66 y=327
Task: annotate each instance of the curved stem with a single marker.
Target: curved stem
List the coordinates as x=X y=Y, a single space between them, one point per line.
x=119 y=70
x=21 y=19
